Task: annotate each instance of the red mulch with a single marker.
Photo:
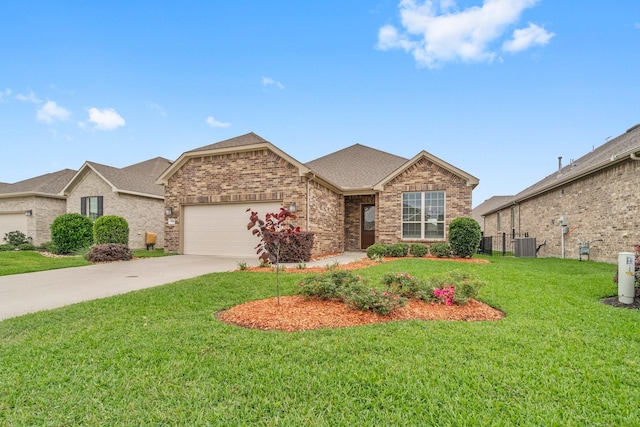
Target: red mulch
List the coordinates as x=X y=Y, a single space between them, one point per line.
x=296 y=313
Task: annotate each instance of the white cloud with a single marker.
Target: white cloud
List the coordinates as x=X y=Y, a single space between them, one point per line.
x=5 y=94
x=438 y=32
x=50 y=112
x=266 y=81
x=158 y=109
x=30 y=97
x=216 y=124
x=525 y=38
x=107 y=119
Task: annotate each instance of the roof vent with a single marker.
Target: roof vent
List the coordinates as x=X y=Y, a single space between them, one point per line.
x=633 y=127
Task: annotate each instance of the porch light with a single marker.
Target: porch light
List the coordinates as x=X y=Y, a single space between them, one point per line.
x=292 y=207
x=168 y=211
x=28 y=212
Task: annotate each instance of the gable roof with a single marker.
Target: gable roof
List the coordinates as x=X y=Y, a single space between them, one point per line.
x=120 y=181
x=48 y=185
x=614 y=151
x=354 y=169
x=357 y=166
x=247 y=142
x=152 y=167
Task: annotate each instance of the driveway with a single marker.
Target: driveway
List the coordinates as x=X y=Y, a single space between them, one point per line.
x=44 y=290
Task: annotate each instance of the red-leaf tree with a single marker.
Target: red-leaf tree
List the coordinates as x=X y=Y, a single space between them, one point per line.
x=274 y=231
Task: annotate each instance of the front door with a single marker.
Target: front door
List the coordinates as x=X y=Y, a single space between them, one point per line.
x=367 y=226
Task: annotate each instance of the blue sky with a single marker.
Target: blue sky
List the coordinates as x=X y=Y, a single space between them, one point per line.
x=498 y=88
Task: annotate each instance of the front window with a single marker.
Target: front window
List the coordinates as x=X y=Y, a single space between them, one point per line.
x=423 y=215
x=91 y=207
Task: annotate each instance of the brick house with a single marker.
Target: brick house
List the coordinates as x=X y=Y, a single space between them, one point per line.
x=349 y=199
x=129 y=192
x=593 y=199
x=30 y=206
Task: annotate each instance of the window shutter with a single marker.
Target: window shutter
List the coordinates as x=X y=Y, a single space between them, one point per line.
x=99 y=206
x=83 y=206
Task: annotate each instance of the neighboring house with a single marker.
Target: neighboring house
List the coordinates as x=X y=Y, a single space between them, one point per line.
x=488 y=206
x=349 y=199
x=30 y=206
x=130 y=192
x=594 y=200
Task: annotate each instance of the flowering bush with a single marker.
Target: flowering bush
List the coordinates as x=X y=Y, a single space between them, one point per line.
x=446 y=295
x=396 y=288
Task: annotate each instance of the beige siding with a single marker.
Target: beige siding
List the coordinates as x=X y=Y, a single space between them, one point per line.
x=142 y=213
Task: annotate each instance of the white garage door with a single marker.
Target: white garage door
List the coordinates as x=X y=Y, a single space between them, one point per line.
x=12 y=222
x=222 y=229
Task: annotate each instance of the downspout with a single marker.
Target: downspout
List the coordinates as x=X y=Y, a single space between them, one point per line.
x=634 y=157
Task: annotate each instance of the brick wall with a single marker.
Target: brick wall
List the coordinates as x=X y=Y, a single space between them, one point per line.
x=259 y=175
x=44 y=211
x=142 y=213
x=326 y=219
x=424 y=175
x=604 y=205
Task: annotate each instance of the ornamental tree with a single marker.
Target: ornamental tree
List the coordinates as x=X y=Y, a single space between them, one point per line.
x=274 y=231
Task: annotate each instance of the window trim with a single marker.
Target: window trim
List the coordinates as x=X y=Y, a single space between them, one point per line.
x=85 y=204
x=423 y=222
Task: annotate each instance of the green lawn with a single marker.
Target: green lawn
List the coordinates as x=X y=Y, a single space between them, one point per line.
x=159 y=357
x=15 y=262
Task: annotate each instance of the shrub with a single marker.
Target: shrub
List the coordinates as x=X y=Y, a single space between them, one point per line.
x=15 y=238
x=70 y=232
x=7 y=247
x=398 y=250
x=440 y=250
x=418 y=250
x=408 y=286
x=379 y=301
x=26 y=247
x=109 y=252
x=111 y=229
x=328 y=285
x=47 y=247
x=464 y=236
x=298 y=247
x=377 y=250
x=455 y=286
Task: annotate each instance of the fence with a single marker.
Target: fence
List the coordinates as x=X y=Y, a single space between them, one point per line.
x=508 y=244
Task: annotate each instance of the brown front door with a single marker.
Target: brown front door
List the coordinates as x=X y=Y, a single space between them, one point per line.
x=367 y=226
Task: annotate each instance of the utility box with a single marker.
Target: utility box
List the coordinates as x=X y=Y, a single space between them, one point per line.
x=150 y=240
x=525 y=247
x=626 y=277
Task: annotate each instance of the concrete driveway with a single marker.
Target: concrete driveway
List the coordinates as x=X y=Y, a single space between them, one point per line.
x=44 y=290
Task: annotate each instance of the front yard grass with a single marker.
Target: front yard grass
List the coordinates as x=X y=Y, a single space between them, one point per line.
x=160 y=357
x=16 y=262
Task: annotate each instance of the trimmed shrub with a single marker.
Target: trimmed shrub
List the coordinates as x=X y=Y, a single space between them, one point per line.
x=109 y=252
x=464 y=236
x=418 y=250
x=398 y=250
x=71 y=232
x=15 y=238
x=298 y=248
x=377 y=250
x=440 y=250
x=111 y=229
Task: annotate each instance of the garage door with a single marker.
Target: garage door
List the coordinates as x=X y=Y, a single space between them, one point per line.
x=12 y=222
x=222 y=229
